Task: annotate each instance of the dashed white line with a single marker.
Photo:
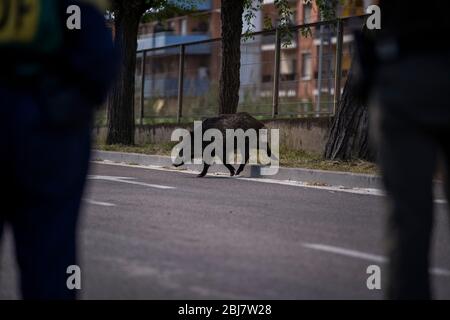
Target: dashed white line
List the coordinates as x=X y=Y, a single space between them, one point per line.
x=364 y=256
x=314 y=246
x=346 y=252
x=99 y=203
x=129 y=180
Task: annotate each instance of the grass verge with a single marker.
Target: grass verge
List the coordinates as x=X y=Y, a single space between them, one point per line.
x=163 y=149
x=302 y=159
x=288 y=158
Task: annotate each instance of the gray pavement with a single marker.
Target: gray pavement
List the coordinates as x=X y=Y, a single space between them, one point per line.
x=154 y=234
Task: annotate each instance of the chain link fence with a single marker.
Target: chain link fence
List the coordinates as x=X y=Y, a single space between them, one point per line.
x=300 y=78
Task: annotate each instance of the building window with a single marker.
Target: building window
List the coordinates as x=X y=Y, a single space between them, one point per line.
x=306 y=66
x=288 y=66
x=171 y=26
x=183 y=26
x=267 y=78
x=307 y=12
x=293 y=17
x=201 y=27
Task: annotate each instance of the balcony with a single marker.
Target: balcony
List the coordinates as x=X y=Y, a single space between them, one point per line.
x=168 y=38
x=201 y=5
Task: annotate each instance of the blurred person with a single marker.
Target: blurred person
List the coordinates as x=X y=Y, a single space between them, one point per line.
x=409 y=94
x=51 y=79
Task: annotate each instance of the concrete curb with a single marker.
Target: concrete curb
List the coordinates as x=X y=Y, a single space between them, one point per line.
x=319 y=177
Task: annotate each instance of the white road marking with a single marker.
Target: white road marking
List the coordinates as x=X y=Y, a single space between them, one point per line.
x=364 y=256
x=367 y=191
x=99 y=203
x=320 y=247
x=293 y=183
x=346 y=252
x=129 y=180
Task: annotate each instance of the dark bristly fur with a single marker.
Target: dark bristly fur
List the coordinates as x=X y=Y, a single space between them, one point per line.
x=241 y=120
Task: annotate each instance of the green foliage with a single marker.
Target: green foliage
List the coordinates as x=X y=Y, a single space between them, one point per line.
x=160 y=10
x=306 y=32
x=327 y=10
x=285 y=14
x=154 y=10
x=163 y=9
x=267 y=24
x=250 y=9
x=284 y=22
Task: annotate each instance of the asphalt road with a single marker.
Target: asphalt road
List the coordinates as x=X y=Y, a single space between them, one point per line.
x=153 y=234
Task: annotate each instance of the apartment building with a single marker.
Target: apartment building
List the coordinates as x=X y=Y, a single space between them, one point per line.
x=306 y=63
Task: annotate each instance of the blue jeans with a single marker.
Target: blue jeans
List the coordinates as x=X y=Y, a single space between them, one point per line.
x=44 y=168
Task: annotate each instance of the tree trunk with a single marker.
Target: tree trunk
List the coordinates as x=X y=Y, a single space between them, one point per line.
x=121 y=122
x=349 y=133
x=231 y=15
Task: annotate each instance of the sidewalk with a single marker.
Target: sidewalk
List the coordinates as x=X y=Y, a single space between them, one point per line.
x=318 y=177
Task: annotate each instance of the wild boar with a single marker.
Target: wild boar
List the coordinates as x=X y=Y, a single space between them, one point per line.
x=241 y=120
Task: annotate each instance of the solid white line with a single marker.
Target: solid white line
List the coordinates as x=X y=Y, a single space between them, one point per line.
x=366 y=191
x=99 y=203
x=129 y=180
x=440 y=272
x=364 y=256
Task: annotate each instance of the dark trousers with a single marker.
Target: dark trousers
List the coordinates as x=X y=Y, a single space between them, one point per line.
x=412 y=122
x=44 y=169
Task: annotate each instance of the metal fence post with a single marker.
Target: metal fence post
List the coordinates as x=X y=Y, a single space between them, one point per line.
x=276 y=74
x=180 y=83
x=141 y=118
x=338 y=67
x=320 y=72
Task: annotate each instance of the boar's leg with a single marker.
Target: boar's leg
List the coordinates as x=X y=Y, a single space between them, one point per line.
x=246 y=157
x=231 y=168
x=225 y=160
x=269 y=152
x=204 y=171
